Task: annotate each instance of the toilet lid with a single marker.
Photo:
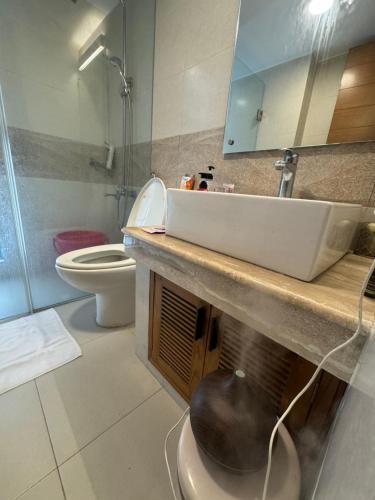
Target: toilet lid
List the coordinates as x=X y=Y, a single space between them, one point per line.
x=149 y=208
x=200 y=477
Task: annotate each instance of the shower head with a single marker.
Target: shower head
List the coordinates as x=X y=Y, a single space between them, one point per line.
x=116 y=61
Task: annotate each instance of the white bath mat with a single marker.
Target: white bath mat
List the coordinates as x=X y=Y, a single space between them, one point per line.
x=33 y=345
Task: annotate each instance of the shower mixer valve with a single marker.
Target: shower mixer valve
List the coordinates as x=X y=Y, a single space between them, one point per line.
x=121 y=191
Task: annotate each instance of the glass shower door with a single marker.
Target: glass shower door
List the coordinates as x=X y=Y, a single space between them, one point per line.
x=56 y=130
x=63 y=120
x=14 y=285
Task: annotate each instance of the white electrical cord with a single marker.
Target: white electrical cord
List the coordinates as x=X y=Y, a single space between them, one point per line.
x=166 y=453
x=313 y=378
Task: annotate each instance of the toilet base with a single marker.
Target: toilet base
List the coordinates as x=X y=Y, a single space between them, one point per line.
x=114 y=288
x=114 y=308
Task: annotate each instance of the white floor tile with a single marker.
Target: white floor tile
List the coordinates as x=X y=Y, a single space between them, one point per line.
x=127 y=461
x=79 y=319
x=25 y=452
x=83 y=398
x=47 y=489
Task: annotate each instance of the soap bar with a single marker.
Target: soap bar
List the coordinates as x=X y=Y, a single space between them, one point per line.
x=154 y=229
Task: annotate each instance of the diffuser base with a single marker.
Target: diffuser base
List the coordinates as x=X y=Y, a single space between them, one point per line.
x=200 y=477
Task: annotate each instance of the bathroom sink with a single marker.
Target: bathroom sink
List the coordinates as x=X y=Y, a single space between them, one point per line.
x=300 y=238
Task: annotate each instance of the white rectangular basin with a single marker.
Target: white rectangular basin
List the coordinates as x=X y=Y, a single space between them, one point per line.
x=300 y=238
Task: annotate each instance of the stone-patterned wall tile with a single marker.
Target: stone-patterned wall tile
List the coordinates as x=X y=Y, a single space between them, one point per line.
x=344 y=172
x=47 y=156
x=165 y=159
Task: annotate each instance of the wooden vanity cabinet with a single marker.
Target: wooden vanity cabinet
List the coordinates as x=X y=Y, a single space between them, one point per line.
x=189 y=338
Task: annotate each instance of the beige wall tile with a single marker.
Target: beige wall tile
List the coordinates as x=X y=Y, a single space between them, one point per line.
x=211 y=29
x=167 y=112
x=170 y=40
x=205 y=93
x=193 y=44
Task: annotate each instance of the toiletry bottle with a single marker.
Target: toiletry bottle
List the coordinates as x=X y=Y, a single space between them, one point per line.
x=207 y=180
x=187 y=182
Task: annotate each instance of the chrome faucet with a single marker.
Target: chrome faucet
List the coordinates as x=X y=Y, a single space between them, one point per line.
x=288 y=167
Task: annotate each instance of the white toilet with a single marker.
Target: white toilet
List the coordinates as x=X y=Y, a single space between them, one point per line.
x=106 y=271
x=200 y=478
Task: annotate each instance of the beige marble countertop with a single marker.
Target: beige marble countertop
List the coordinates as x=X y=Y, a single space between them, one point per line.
x=333 y=295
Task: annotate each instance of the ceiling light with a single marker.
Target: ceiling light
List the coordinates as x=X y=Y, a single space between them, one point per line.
x=91 y=53
x=317 y=7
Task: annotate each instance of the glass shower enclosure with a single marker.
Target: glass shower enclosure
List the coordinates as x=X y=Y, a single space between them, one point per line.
x=59 y=126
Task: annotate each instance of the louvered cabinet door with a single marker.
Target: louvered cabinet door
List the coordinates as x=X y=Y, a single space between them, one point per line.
x=178 y=334
x=233 y=345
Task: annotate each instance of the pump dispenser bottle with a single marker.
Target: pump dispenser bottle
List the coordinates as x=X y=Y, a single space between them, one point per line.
x=207 y=180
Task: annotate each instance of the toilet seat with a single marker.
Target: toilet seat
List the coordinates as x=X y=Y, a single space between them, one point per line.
x=149 y=209
x=95 y=258
x=200 y=478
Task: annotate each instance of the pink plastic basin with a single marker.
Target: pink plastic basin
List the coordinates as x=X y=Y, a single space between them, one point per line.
x=74 y=240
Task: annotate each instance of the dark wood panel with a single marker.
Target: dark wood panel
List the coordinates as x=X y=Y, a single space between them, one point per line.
x=351 y=135
x=214 y=341
x=358 y=75
x=361 y=55
x=353 y=117
x=354 y=97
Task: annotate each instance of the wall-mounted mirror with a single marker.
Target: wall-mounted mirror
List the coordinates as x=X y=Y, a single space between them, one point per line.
x=303 y=74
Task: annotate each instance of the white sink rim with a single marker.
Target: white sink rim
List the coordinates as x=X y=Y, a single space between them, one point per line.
x=266 y=229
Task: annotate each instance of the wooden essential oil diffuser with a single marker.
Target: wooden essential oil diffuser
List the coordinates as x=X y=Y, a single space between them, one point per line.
x=232 y=420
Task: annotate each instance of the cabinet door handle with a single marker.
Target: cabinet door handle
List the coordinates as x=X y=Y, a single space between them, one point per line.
x=199 y=321
x=214 y=335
